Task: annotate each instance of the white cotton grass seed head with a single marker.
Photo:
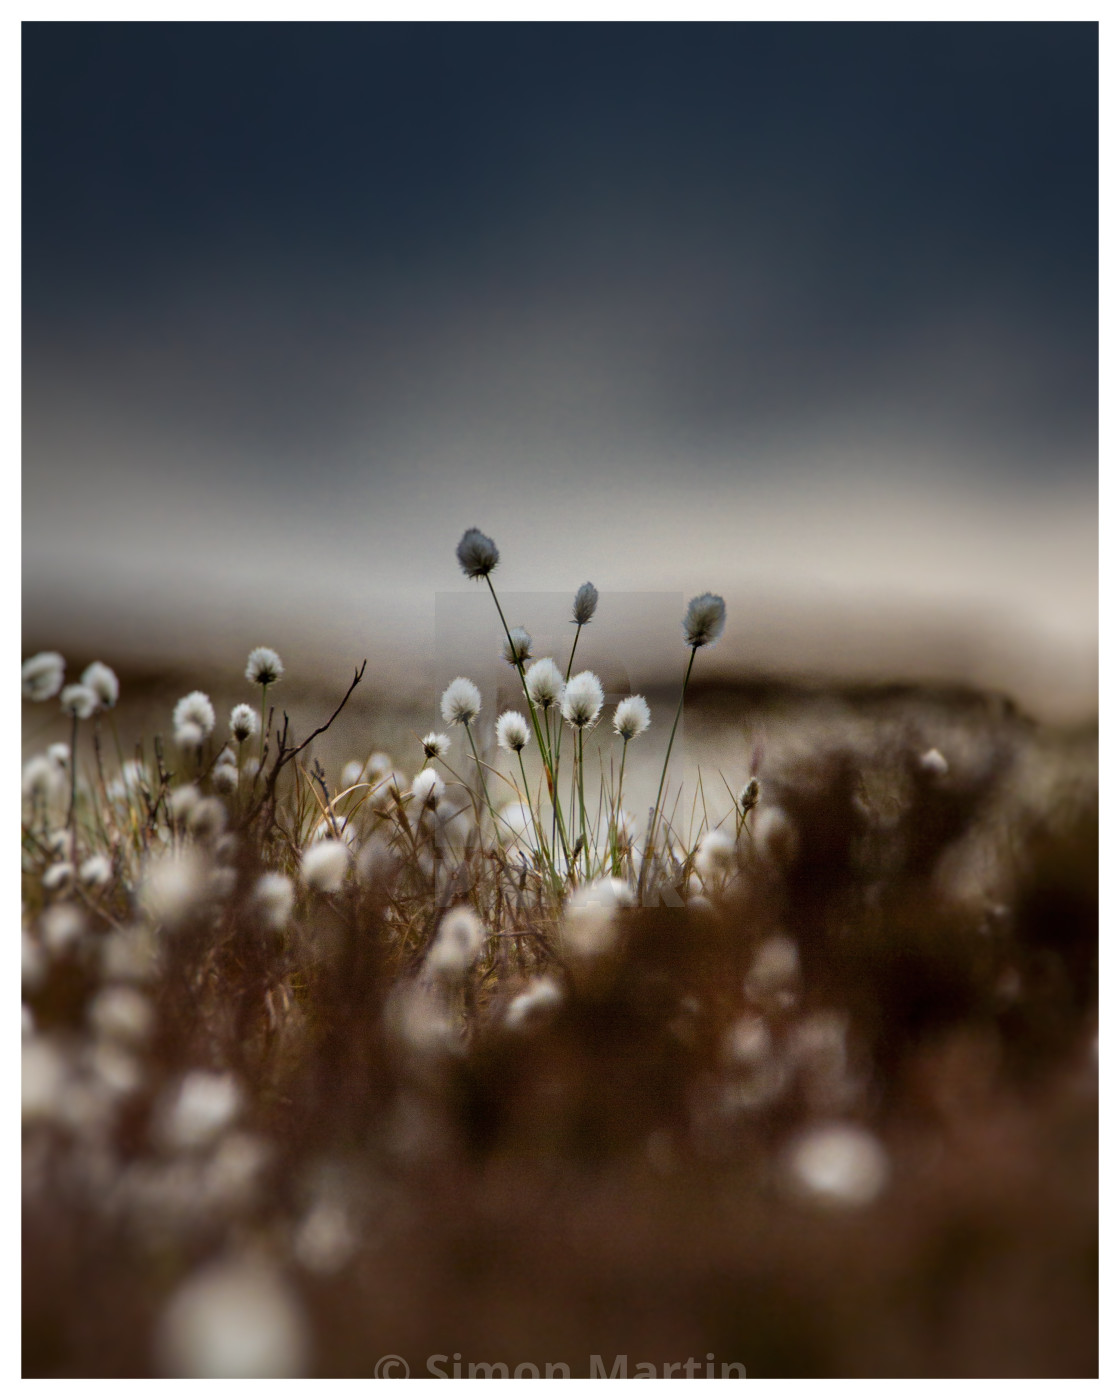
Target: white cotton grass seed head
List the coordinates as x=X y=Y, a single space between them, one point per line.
x=837 y=1164
x=95 y=870
x=59 y=753
x=589 y=929
x=775 y=837
x=224 y=778
x=102 y=680
x=585 y=603
x=351 y=775
x=264 y=666
x=189 y=736
x=776 y=967
x=42 y=779
x=42 y=675
x=234 y=1320
x=515 y=825
x=199 y=1110
x=477 y=554
x=172 y=887
x=517 y=647
x=544 y=683
x=933 y=763
x=324 y=866
x=583 y=700
x=195 y=709
x=207 y=819
x=716 y=854
x=244 y=722
x=78 y=701
x=461 y=702
x=538 y=998
x=182 y=800
x=273 y=899
x=122 y=1014
x=704 y=620
x=513 y=731
x=457 y=944
x=435 y=745
x=428 y=787
x=631 y=717
x=58 y=876
x=377 y=768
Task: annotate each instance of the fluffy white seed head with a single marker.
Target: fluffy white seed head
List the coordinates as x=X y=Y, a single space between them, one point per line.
x=224 y=778
x=585 y=603
x=589 y=928
x=776 y=967
x=274 y=897
x=60 y=754
x=189 y=736
x=58 y=876
x=715 y=856
x=513 y=731
x=173 y=887
x=264 y=666
x=183 y=800
x=704 y=620
x=63 y=926
x=202 y=1107
x=324 y=865
x=244 y=722
x=233 y=1320
x=42 y=675
x=837 y=1164
x=631 y=717
x=95 y=870
x=933 y=763
x=195 y=709
x=544 y=683
x=42 y=779
x=207 y=819
x=515 y=825
x=775 y=837
x=435 y=745
x=517 y=647
x=102 y=680
x=461 y=702
x=538 y=998
x=377 y=767
x=122 y=1014
x=78 y=701
x=583 y=700
x=457 y=944
x=477 y=554
x=428 y=787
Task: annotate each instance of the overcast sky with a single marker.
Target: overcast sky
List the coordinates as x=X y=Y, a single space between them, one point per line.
x=806 y=314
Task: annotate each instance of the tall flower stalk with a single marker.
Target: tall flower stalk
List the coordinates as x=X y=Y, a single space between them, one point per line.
x=703 y=624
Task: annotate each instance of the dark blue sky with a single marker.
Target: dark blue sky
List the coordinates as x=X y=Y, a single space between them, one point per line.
x=311 y=293
x=889 y=168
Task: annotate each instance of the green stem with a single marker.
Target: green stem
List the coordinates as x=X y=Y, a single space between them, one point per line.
x=70 y=816
x=583 y=810
x=664 y=769
x=568 y=672
x=532 y=712
x=260 y=750
x=617 y=809
x=482 y=784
